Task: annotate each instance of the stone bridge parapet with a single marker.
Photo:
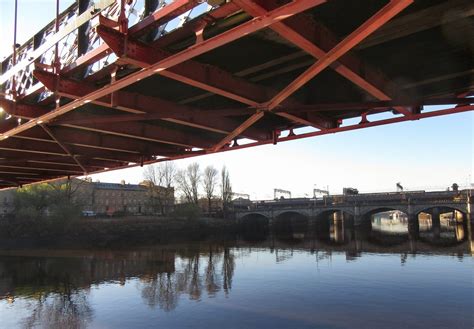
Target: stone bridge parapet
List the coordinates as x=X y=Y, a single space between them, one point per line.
x=363 y=205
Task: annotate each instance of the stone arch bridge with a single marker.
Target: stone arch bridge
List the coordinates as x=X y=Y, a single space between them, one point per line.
x=362 y=206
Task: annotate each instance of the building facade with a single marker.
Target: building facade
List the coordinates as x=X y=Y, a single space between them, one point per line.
x=122 y=198
x=108 y=198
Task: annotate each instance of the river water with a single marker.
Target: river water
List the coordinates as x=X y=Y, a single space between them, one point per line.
x=347 y=278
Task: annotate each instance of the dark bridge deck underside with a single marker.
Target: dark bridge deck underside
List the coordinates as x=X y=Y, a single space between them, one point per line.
x=180 y=96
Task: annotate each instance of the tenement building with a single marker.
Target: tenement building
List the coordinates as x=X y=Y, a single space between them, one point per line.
x=115 y=198
x=109 y=198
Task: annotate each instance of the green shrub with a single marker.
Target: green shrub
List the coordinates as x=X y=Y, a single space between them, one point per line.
x=43 y=210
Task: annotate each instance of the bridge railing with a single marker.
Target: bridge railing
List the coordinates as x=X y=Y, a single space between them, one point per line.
x=390 y=198
x=17 y=74
x=40 y=49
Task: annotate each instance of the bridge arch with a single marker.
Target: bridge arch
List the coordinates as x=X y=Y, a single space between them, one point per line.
x=291 y=219
x=370 y=211
x=390 y=220
x=334 y=226
x=254 y=227
x=389 y=225
x=442 y=209
x=443 y=224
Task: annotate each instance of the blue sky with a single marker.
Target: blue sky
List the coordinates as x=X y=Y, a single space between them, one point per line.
x=420 y=154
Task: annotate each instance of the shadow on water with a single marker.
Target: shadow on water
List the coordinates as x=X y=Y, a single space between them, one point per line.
x=291 y=227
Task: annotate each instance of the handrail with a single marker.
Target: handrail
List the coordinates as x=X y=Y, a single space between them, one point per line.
x=90 y=13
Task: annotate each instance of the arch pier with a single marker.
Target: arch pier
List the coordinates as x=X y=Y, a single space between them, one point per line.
x=430 y=209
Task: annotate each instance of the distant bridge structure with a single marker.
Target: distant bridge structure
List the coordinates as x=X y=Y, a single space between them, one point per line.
x=110 y=84
x=361 y=207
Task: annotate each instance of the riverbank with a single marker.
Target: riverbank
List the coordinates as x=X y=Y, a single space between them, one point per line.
x=110 y=232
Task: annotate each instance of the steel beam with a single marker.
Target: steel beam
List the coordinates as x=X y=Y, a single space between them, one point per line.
x=39 y=170
x=21 y=110
x=64 y=147
x=313 y=134
x=15 y=158
x=80 y=20
x=146 y=107
x=251 y=26
x=206 y=77
x=370 y=26
x=160 y=16
x=421 y=20
x=377 y=20
x=82 y=138
x=316 y=39
x=165 y=14
x=24 y=146
x=247 y=123
x=419 y=116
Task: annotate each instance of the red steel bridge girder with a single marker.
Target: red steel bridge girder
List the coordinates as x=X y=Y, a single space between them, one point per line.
x=206 y=77
x=314 y=38
x=98 y=133
x=371 y=25
x=136 y=103
x=244 y=29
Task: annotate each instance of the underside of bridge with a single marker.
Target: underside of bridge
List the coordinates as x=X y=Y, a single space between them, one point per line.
x=116 y=83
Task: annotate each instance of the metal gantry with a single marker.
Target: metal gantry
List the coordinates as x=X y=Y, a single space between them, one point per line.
x=111 y=84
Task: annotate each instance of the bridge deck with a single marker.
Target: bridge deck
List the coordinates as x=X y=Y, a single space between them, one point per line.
x=173 y=84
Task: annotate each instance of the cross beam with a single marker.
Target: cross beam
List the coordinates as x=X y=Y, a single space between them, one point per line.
x=251 y=26
x=64 y=147
x=313 y=37
x=371 y=25
x=207 y=77
x=145 y=107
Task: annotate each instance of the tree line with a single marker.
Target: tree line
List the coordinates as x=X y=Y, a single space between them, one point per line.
x=192 y=183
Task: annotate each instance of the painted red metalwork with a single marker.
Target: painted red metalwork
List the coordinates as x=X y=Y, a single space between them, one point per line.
x=244 y=29
x=94 y=140
x=371 y=25
x=64 y=147
x=172 y=10
x=83 y=142
x=206 y=77
x=144 y=107
x=159 y=17
x=20 y=110
x=306 y=35
x=291 y=137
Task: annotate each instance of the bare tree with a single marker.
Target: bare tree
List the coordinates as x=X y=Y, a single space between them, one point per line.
x=226 y=189
x=210 y=182
x=160 y=179
x=188 y=182
x=169 y=171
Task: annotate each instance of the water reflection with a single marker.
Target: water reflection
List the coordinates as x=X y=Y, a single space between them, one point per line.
x=390 y=222
x=57 y=289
